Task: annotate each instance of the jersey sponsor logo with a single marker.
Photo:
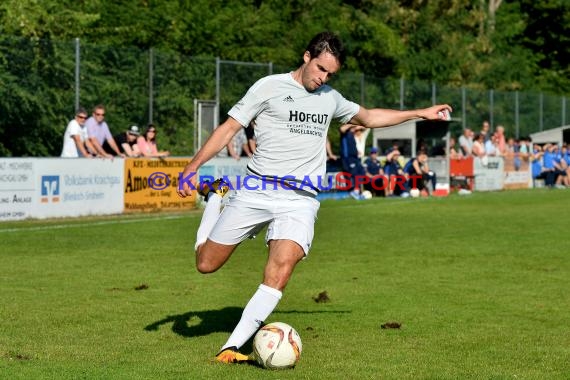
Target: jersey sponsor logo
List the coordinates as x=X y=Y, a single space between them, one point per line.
x=289 y=99
x=302 y=117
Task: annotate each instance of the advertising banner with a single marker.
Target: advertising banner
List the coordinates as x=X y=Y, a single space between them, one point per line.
x=17 y=188
x=150 y=184
x=77 y=187
x=489 y=173
x=518 y=173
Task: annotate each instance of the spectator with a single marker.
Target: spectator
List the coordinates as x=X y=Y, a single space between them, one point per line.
x=538 y=170
x=418 y=172
x=373 y=169
x=100 y=135
x=238 y=146
x=454 y=151
x=250 y=135
x=486 y=130
x=491 y=146
x=560 y=167
x=127 y=142
x=351 y=163
x=360 y=135
x=147 y=143
x=75 y=139
x=334 y=164
x=478 y=149
x=395 y=174
x=466 y=142
x=500 y=142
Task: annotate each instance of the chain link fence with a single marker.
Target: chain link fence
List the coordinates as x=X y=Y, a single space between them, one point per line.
x=143 y=86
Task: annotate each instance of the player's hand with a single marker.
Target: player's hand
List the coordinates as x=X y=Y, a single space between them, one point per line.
x=437 y=112
x=187 y=183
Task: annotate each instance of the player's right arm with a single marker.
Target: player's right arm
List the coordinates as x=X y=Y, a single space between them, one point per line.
x=219 y=139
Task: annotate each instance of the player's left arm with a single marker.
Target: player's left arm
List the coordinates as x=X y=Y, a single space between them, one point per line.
x=381 y=117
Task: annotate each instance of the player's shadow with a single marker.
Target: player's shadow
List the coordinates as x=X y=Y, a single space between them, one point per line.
x=199 y=323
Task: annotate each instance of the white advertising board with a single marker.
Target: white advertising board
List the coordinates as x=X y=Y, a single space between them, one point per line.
x=17 y=188
x=489 y=173
x=58 y=187
x=77 y=187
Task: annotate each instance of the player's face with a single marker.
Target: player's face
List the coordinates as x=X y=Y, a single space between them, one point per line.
x=319 y=70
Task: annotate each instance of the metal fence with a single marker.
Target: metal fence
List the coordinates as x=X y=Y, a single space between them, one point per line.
x=143 y=86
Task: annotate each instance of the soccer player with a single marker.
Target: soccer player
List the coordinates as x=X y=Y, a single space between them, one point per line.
x=292 y=112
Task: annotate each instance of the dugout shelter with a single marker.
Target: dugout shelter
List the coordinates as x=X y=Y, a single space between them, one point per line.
x=557 y=136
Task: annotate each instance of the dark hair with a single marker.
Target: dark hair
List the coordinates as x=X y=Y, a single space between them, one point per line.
x=327 y=42
x=148 y=128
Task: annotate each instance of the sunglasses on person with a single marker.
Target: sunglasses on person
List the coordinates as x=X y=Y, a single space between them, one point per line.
x=99 y=114
x=81 y=117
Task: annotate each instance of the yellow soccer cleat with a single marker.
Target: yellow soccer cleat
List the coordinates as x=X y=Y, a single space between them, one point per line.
x=206 y=189
x=232 y=355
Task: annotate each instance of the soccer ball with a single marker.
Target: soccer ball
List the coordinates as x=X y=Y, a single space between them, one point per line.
x=277 y=346
x=415 y=193
x=366 y=194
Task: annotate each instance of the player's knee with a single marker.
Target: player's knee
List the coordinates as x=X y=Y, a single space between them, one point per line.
x=205 y=267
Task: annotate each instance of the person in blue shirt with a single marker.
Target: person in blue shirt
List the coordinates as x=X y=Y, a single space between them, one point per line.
x=395 y=174
x=418 y=173
x=373 y=168
x=351 y=163
x=545 y=159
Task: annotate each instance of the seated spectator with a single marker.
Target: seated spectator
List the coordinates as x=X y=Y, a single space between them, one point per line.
x=396 y=177
x=147 y=143
x=75 y=139
x=100 y=135
x=454 y=151
x=418 y=173
x=561 y=167
x=538 y=169
x=373 y=169
x=127 y=142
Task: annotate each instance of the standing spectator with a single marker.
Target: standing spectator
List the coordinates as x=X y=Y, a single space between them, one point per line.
x=147 y=143
x=373 y=169
x=486 y=130
x=491 y=146
x=127 y=141
x=478 y=149
x=100 y=135
x=75 y=139
x=351 y=163
x=466 y=142
x=454 y=151
x=360 y=135
x=500 y=140
x=251 y=140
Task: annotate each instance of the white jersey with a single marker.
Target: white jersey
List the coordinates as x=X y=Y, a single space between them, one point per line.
x=291 y=126
x=70 y=150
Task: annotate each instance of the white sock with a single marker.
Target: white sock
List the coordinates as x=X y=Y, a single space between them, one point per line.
x=209 y=219
x=263 y=302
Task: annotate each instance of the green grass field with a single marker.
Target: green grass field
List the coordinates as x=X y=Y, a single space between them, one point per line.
x=480 y=285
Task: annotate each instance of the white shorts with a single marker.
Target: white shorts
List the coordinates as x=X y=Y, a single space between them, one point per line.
x=289 y=214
